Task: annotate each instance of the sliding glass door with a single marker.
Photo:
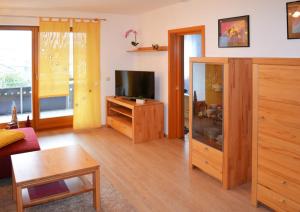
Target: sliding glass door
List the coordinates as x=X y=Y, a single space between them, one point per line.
x=19 y=82
x=16 y=72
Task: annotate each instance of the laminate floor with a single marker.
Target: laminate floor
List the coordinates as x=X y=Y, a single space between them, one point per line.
x=153 y=176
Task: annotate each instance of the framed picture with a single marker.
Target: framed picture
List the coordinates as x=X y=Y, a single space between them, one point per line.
x=234 y=32
x=293 y=19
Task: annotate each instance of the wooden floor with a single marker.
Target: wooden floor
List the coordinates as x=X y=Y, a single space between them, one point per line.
x=153 y=176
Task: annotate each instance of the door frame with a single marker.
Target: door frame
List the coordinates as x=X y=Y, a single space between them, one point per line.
x=175 y=77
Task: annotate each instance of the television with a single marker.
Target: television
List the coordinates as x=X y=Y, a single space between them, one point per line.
x=134 y=84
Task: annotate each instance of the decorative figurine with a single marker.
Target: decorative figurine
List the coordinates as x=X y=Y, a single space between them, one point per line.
x=13 y=124
x=155 y=46
x=28 y=124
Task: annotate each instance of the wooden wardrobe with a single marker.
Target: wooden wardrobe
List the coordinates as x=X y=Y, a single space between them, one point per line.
x=221 y=118
x=276 y=133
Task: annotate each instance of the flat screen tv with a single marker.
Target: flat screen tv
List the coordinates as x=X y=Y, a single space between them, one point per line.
x=135 y=84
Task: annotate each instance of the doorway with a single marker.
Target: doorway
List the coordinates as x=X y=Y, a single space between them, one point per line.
x=183 y=44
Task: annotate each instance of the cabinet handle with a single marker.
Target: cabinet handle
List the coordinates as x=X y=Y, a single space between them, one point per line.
x=283 y=182
x=206 y=148
x=206 y=162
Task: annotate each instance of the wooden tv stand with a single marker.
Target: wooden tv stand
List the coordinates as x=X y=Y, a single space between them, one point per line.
x=141 y=123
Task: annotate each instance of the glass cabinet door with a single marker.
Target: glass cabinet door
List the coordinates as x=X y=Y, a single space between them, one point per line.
x=207 y=104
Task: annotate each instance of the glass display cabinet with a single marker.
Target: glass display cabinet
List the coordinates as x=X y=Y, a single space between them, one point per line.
x=208 y=104
x=219 y=122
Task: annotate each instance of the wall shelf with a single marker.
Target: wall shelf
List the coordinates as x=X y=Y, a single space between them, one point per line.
x=149 y=49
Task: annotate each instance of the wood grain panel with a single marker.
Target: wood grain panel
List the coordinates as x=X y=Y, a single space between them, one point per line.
x=148 y=123
x=208 y=163
x=120 y=124
x=210 y=60
x=279 y=184
x=254 y=134
x=279 y=120
x=276 y=133
x=276 y=201
x=277 y=61
x=280 y=161
x=279 y=83
x=239 y=121
x=208 y=151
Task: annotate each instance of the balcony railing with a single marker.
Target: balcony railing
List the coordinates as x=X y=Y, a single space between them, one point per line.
x=22 y=98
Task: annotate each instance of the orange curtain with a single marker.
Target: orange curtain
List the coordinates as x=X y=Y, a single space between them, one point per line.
x=54 y=54
x=86 y=74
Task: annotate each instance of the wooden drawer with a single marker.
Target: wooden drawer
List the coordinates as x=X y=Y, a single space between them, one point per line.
x=279 y=184
x=119 y=125
x=276 y=201
x=280 y=157
x=207 y=159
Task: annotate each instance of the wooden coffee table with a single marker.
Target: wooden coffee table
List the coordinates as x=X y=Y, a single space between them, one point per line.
x=70 y=164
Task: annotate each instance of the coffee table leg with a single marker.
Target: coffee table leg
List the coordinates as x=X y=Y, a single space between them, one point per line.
x=96 y=192
x=13 y=186
x=19 y=199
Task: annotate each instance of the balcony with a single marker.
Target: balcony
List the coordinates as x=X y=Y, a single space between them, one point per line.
x=22 y=98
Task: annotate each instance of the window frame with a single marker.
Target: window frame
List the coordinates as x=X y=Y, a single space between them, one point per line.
x=36 y=122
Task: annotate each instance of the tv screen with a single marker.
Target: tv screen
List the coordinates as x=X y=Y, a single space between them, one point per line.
x=134 y=84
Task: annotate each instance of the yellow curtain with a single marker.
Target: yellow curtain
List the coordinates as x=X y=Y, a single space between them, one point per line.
x=86 y=74
x=54 y=58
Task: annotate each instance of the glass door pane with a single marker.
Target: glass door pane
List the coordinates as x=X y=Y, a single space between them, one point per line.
x=15 y=74
x=208 y=104
x=60 y=106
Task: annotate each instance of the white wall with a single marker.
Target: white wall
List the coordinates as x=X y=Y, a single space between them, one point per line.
x=113 y=45
x=267 y=35
x=267 y=32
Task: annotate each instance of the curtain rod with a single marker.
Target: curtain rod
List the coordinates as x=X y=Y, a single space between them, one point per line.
x=29 y=16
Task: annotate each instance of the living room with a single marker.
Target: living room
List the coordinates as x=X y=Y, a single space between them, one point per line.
x=98 y=141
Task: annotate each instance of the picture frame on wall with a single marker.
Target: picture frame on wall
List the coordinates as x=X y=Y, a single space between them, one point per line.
x=293 y=19
x=234 y=32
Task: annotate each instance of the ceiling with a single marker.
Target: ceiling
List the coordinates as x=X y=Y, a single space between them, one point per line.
x=101 y=6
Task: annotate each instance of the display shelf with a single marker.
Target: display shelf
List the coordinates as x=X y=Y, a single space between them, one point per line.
x=122 y=110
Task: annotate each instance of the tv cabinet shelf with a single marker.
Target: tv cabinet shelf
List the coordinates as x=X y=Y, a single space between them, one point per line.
x=122 y=110
x=141 y=123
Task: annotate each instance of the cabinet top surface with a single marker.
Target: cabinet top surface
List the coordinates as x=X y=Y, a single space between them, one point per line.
x=132 y=103
x=215 y=60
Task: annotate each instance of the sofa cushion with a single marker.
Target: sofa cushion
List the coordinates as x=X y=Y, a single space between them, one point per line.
x=10 y=136
x=28 y=144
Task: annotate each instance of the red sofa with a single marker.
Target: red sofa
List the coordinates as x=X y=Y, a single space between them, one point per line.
x=28 y=144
